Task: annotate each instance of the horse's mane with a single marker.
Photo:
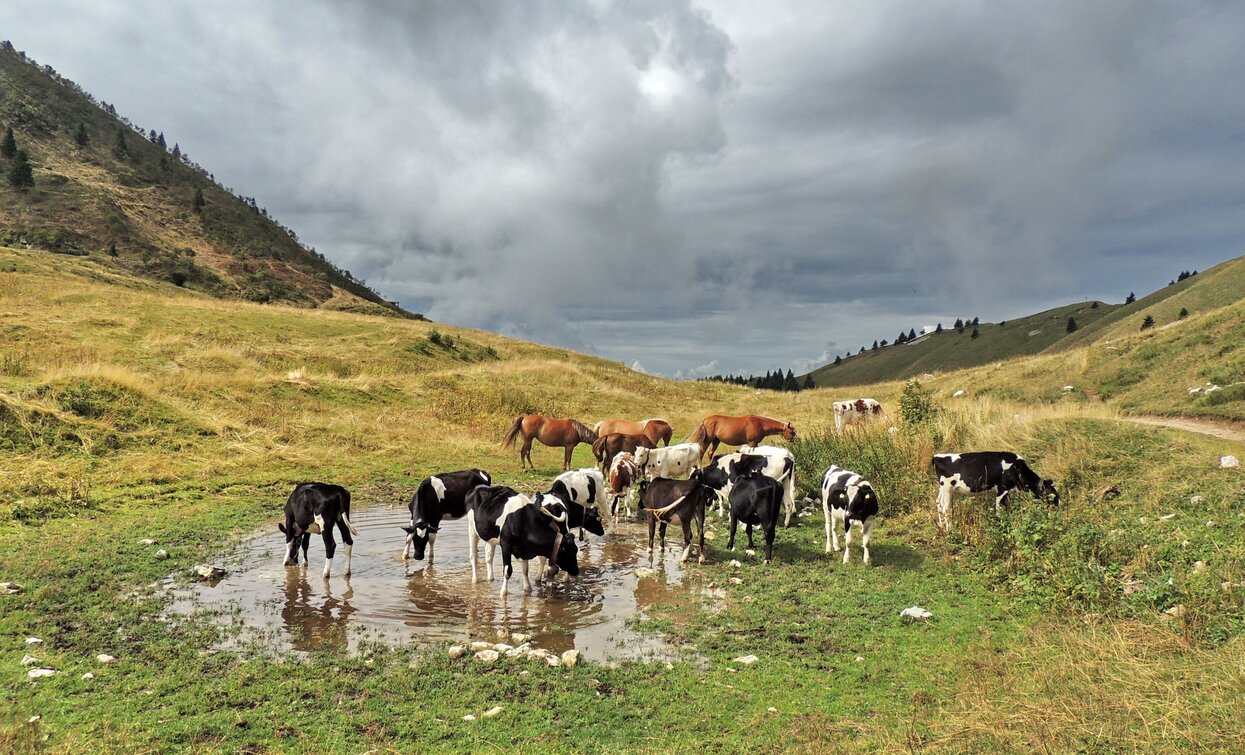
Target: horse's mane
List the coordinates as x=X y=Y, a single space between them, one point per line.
x=586 y=435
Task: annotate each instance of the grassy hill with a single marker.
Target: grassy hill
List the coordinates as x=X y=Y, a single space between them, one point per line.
x=135 y=205
x=956 y=350
x=132 y=408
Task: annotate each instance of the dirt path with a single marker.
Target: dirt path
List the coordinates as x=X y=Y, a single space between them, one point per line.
x=1224 y=429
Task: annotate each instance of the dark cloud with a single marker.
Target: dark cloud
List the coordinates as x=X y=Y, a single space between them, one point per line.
x=723 y=187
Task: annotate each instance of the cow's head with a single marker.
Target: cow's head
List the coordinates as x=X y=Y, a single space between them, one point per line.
x=567 y=558
x=417 y=535
x=641 y=458
x=838 y=499
x=788 y=432
x=592 y=520
x=715 y=476
x=1048 y=493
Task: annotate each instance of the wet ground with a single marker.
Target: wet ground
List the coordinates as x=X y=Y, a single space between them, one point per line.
x=384 y=600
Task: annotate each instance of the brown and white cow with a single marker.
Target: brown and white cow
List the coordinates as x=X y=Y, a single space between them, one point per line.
x=847 y=412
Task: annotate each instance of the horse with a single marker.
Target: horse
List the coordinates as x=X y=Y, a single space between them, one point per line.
x=656 y=430
x=550 y=431
x=608 y=446
x=748 y=430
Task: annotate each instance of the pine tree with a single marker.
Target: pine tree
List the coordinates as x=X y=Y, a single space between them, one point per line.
x=8 y=147
x=1183 y=313
x=838 y=359
x=938 y=329
x=21 y=175
x=160 y=141
x=112 y=249
x=82 y=138
x=1131 y=298
x=1147 y=323
x=177 y=152
x=975 y=333
x=1094 y=305
x=808 y=383
x=884 y=343
x=151 y=136
x=1071 y=325
x=975 y=322
x=911 y=333
x=875 y=346
x=120 y=149
x=198 y=202
x=789 y=383
x=959 y=325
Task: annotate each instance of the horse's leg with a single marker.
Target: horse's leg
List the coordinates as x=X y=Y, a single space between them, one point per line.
x=525 y=454
x=566 y=460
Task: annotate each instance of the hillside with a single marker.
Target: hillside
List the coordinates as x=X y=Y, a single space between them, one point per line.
x=108 y=189
x=952 y=350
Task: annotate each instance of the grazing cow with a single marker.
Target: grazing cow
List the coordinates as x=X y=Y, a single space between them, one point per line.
x=607 y=447
x=980 y=471
x=756 y=499
x=538 y=531
x=847 y=412
x=681 y=501
x=847 y=497
x=623 y=474
x=441 y=496
x=582 y=490
x=676 y=461
x=315 y=507
x=487 y=508
x=776 y=463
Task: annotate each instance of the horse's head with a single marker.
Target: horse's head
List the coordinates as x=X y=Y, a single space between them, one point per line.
x=788 y=432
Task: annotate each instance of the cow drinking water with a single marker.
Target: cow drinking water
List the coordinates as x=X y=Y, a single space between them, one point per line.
x=441 y=496
x=316 y=507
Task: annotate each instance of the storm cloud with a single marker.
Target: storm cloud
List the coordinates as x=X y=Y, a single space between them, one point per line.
x=698 y=187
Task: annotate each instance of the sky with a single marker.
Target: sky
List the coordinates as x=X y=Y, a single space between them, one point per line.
x=701 y=187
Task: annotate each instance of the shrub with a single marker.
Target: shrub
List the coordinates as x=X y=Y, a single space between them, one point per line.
x=916 y=405
x=1147 y=323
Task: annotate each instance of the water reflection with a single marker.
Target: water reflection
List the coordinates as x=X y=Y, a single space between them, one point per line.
x=315 y=621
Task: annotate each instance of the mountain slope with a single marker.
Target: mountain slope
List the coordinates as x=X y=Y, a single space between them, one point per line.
x=103 y=187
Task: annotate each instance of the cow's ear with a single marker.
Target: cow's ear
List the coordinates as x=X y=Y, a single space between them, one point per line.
x=408 y=530
x=282 y=528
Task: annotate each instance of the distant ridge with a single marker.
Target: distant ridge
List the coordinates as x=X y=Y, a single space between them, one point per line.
x=105 y=187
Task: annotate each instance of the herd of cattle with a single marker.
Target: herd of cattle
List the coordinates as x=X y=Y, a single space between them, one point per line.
x=754 y=485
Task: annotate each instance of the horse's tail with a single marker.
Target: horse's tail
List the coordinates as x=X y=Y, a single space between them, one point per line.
x=597 y=427
x=514 y=432
x=598 y=447
x=700 y=437
x=585 y=435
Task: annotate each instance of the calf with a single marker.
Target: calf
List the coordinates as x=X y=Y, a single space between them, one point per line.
x=539 y=530
x=681 y=501
x=670 y=462
x=585 y=490
x=315 y=507
x=608 y=446
x=442 y=496
x=847 y=497
x=847 y=412
x=487 y=508
x=776 y=463
x=756 y=499
x=623 y=473
x=980 y=471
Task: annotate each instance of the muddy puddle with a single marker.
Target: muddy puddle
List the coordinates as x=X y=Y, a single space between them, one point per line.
x=292 y=609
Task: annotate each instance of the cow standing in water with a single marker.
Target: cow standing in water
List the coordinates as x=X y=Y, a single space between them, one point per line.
x=441 y=496
x=315 y=508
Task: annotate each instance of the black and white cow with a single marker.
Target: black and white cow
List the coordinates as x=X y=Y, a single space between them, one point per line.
x=585 y=488
x=487 y=507
x=776 y=463
x=682 y=501
x=315 y=507
x=756 y=500
x=540 y=530
x=981 y=471
x=441 y=496
x=848 y=498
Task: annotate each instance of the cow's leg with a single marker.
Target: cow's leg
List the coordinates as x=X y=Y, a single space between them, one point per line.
x=825 y=510
x=347 y=543
x=700 y=521
x=687 y=538
x=432 y=541
x=748 y=530
x=410 y=544
x=306 y=545
x=652 y=529
x=527 y=579
x=770 y=528
x=506 y=570
x=661 y=533
x=330 y=547
x=291 y=544
x=834 y=530
x=730 y=541
x=788 y=497
x=838 y=422
x=865 y=530
x=473 y=546
x=944 y=506
x=1001 y=498
x=490 y=553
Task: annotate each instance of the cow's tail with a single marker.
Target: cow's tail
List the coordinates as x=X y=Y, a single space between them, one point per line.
x=346 y=515
x=700 y=437
x=507 y=441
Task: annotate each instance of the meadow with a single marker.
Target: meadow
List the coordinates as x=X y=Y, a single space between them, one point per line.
x=131 y=410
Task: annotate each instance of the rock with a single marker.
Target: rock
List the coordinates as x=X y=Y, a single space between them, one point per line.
x=735 y=564
x=570 y=657
x=8 y=588
x=892 y=429
x=736 y=581
x=37 y=673
x=502 y=647
x=711 y=535
x=105 y=658
x=29 y=660
x=519 y=638
x=34 y=719
x=1134 y=586
x=88 y=676
x=1176 y=611
x=209 y=571
x=503 y=634
x=33 y=641
x=669 y=666
x=1196 y=498
x=469 y=717
x=538 y=653
x=525 y=672
x=1229 y=462
x=488 y=656
x=456 y=652
x=1068 y=389
x=772 y=709
x=644 y=573
x=958 y=393
x=859 y=658
x=750 y=552
x=162 y=554
x=492 y=712
x=1199 y=565
x=147 y=541
x=518 y=652
x=481 y=645
x=1165 y=517
x=553 y=660
x=915 y=613
x=1195 y=391
x=747 y=660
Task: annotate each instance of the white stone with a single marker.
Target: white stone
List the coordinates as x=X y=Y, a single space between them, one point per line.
x=892 y=429
x=488 y=656
x=456 y=652
x=1068 y=389
x=1165 y=517
x=772 y=709
x=481 y=645
x=147 y=541
x=553 y=660
x=36 y=673
x=33 y=719
x=958 y=393
x=492 y=712
x=8 y=588
x=1195 y=499
x=750 y=552
x=859 y=658
x=570 y=657
x=736 y=581
x=88 y=676
x=502 y=647
x=915 y=613
x=519 y=638
x=29 y=660
x=747 y=660
x=1176 y=611
x=1195 y=391
x=644 y=572
x=105 y=658
x=735 y=564
x=33 y=641
x=162 y=554
x=469 y=717
x=1229 y=462
x=518 y=652
x=209 y=571
x=1199 y=565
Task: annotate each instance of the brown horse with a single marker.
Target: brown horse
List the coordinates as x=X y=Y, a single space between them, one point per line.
x=552 y=432
x=656 y=430
x=748 y=430
x=607 y=447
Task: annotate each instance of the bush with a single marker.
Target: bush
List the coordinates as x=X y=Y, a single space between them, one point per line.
x=897 y=464
x=916 y=405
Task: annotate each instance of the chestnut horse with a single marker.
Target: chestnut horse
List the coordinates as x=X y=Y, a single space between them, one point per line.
x=738 y=431
x=552 y=432
x=656 y=430
x=607 y=447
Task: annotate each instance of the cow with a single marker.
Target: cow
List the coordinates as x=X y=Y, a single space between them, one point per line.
x=670 y=462
x=539 y=530
x=681 y=501
x=607 y=447
x=487 y=508
x=441 y=496
x=847 y=497
x=980 y=471
x=315 y=507
x=623 y=474
x=582 y=491
x=771 y=461
x=756 y=500
x=847 y=412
